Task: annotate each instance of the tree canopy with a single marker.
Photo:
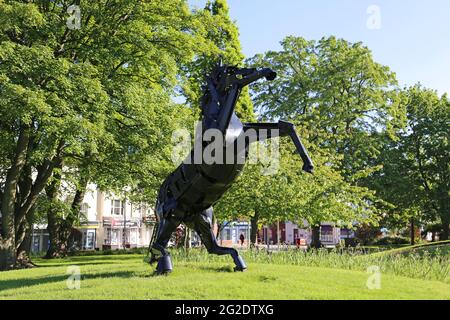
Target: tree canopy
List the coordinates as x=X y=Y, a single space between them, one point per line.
x=95 y=97
x=415 y=175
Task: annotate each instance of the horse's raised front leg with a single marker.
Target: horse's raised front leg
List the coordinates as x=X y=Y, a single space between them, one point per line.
x=262 y=131
x=160 y=241
x=203 y=226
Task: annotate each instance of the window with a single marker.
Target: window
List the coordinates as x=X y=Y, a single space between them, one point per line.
x=137 y=211
x=108 y=236
x=84 y=209
x=226 y=234
x=115 y=237
x=90 y=239
x=117 y=207
x=133 y=236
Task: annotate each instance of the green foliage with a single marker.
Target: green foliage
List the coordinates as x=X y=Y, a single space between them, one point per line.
x=94 y=99
x=342 y=103
x=391 y=241
x=103 y=89
x=292 y=195
x=416 y=171
x=219 y=42
x=336 y=91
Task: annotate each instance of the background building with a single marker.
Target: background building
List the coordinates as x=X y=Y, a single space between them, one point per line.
x=230 y=234
x=330 y=235
x=108 y=222
x=286 y=232
x=111 y=222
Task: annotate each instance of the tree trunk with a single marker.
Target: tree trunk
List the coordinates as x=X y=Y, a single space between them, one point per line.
x=8 y=202
x=187 y=238
x=7 y=254
x=18 y=198
x=315 y=237
x=254 y=229
x=23 y=250
x=412 y=232
x=445 y=231
x=445 y=216
x=220 y=228
x=56 y=247
x=218 y=232
x=23 y=241
x=60 y=228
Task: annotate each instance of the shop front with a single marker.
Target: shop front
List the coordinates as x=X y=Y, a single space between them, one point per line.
x=86 y=235
x=120 y=234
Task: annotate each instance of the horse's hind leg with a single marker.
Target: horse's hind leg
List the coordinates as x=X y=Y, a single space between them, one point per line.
x=204 y=227
x=158 y=246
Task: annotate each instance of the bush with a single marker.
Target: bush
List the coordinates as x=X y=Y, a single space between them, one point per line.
x=350 y=242
x=366 y=235
x=386 y=241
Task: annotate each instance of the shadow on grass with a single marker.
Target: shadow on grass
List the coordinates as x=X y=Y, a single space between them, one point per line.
x=73 y=263
x=82 y=260
x=155 y=274
x=20 y=283
x=228 y=269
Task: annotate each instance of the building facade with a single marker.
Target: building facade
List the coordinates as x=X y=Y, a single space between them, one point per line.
x=288 y=233
x=230 y=235
x=108 y=221
x=283 y=232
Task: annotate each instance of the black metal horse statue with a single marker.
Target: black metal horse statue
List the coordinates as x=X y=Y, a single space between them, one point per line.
x=188 y=194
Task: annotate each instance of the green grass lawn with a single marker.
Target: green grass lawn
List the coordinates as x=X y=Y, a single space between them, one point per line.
x=128 y=277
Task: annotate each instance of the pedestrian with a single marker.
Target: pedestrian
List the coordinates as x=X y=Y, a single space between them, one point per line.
x=242 y=238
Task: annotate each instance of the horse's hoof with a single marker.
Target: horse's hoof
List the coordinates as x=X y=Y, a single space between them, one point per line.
x=164 y=265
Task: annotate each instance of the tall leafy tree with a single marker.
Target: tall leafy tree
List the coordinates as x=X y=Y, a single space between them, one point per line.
x=288 y=194
x=66 y=90
x=337 y=90
x=341 y=99
x=415 y=175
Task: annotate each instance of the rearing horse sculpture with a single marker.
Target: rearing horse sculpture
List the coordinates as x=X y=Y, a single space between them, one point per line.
x=188 y=194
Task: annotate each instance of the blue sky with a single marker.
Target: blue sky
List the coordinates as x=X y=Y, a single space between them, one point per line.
x=413 y=39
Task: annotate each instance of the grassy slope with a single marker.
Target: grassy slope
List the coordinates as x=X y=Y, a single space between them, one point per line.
x=127 y=277
x=443 y=246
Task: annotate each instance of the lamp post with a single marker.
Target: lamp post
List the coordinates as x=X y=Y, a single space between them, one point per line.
x=248 y=234
x=278 y=234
